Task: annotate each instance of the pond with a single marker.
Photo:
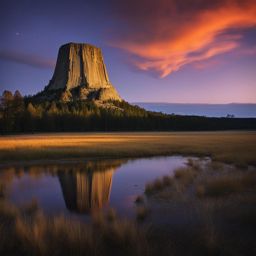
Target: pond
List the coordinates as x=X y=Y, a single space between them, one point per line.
x=75 y=189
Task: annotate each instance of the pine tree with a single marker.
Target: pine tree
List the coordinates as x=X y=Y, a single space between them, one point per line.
x=7 y=112
x=31 y=109
x=53 y=108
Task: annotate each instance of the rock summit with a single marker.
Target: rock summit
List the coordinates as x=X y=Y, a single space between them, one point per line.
x=80 y=73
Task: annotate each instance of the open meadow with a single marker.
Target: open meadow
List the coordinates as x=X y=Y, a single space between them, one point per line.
x=236 y=147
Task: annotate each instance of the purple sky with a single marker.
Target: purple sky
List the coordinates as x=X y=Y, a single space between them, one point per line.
x=193 y=51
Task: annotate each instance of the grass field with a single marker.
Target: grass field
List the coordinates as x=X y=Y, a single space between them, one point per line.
x=213 y=204
x=230 y=147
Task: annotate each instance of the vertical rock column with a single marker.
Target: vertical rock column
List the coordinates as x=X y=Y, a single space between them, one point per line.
x=82 y=65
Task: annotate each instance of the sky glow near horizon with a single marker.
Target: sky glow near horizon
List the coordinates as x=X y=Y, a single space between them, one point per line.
x=192 y=51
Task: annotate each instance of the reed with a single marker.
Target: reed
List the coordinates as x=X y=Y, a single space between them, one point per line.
x=36 y=234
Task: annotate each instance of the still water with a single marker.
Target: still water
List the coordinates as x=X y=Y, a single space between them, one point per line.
x=75 y=189
x=209 y=110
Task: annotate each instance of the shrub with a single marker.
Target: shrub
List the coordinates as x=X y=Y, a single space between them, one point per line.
x=185 y=175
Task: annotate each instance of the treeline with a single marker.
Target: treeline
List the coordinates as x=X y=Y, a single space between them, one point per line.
x=26 y=114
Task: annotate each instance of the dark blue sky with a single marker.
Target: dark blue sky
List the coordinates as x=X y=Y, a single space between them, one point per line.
x=155 y=51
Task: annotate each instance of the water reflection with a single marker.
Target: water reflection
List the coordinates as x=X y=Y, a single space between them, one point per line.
x=70 y=188
x=88 y=188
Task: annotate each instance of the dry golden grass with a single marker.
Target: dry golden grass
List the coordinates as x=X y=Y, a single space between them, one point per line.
x=230 y=147
x=215 y=210
x=204 y=182
x=227 y=185
x=34 y=233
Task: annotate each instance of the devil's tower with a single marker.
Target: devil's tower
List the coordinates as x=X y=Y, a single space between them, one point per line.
x=80 y=73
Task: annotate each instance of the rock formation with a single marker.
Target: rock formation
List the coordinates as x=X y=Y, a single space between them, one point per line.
x=80 y=73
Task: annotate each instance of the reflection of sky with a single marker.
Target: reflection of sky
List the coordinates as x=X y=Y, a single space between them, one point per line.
x=32 y=31
x=45 y=190
x=128 y=181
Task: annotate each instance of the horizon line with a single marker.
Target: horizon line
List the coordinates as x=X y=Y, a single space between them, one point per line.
x=194 y=103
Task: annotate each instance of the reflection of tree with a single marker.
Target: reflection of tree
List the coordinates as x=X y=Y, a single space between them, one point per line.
x=7 y=175
x=88 y=188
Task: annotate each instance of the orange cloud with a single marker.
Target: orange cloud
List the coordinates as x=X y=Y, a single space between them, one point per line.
x=171 y=64
x=185 y=37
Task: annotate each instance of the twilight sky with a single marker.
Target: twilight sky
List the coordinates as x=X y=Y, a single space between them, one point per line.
x=190 y=51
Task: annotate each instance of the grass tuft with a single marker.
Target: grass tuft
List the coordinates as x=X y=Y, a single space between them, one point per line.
x=185 y=175
x=142 y=213
x=158 y=185
x=111 y=215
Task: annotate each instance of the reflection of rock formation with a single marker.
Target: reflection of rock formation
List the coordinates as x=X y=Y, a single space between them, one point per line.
x=87 y=188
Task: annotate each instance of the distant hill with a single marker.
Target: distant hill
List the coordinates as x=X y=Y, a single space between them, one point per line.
x=208 y=110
